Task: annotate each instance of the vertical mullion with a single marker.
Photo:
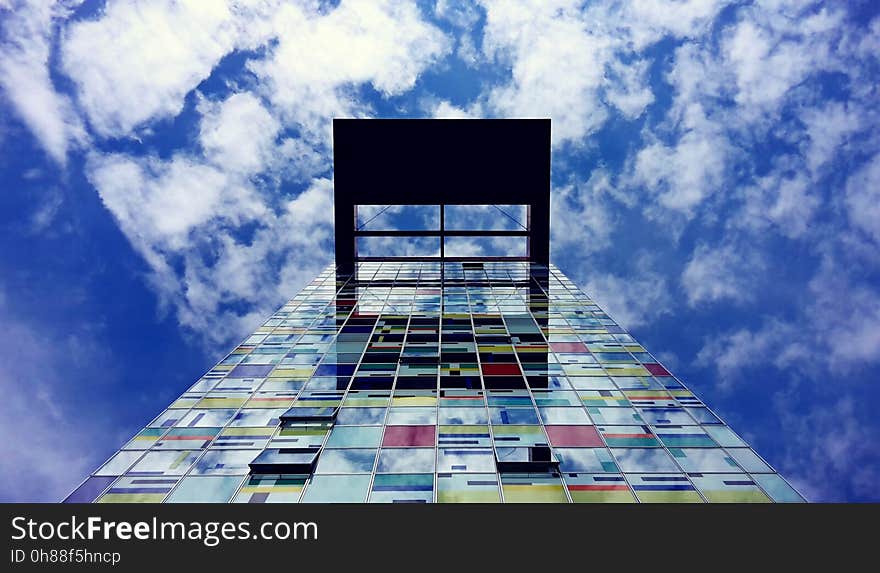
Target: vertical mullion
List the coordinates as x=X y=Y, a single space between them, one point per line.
x=442 y=231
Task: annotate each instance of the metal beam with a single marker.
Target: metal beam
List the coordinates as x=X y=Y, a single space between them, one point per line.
x=438 y=233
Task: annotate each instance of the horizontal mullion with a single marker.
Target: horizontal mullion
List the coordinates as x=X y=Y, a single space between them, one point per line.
x=438 y=258
x=439 y=233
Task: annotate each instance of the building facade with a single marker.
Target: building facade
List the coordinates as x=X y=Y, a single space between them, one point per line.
x=408 y=384
x=476 y=379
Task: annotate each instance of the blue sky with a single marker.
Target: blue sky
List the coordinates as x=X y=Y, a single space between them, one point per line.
x=167 y=183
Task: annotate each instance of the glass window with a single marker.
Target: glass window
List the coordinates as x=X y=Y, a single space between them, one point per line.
x=258 y=417
x=555 y=398
x=465 y=460
x=352 y=461
x=225 y=462
x=118 y=463
x=505 y=415
x=703 y=459
x=666 y=416
x=168 y=463
x=402 y=488
x=465 y=436
x=337 y=489
x=628 y=436
x=724 y=436
x=749 y=460
x=354 y=437
x=514 y=435
x=242 y=384
x=585 y=460
x=729 y=488
x=206 y=418
x=301 y=435
x=592 y=383
x=366 y=399
x=643 y=460
x=463 y=416
x=167 y=418
x=282 y=385
x=664 y=488
x=614 y=415
x=637 y=383
x=204 y=489
x=327 y=383
x=360 y=416
x=457 y=398
x=603 y=398
x=186 y=439
x=409 y=460
x=778 y=488
x=552 y=382
x=574 y=436
x=683 y=436
x=533 y=488
x=271 y=489
x=409 y=436
x=564 y=416
x=510 y=398
x=414 y=398
x=133 y=489
x=703 y=415
x=597 y=488
x=467 y=488
x=415 y=416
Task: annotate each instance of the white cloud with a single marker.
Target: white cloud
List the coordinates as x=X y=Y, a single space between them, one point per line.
x=631 y=94
x=770 y=53
x=568 y=59
x=460 y=13
x=828 y=128
x=581 y=218
x=54 y=446
x=652 y=19
x=214 y=227
x=684 y=174
x=830 y=448
x=637 y=299
x=414 y=247
x=161 y=202
x=557 y=64
x=138 y=60
x=785 y=200
x=729 y=354
x=319 y=59
x=298 y=235
x=726 y=101
x=838 y=331
x=446 y=110
x=863 y=198
x=239 y=133
x=845 y=316
x=28 y=31
x=175 y=212
x=718 y=273
x=47 y=209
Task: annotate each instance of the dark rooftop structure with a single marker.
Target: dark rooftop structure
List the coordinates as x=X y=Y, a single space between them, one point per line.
x=441 y=162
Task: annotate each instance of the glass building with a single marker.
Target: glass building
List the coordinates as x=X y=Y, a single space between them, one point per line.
x=438 y=379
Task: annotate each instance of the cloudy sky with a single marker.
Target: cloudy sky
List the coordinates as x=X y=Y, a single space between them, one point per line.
x=167 y=183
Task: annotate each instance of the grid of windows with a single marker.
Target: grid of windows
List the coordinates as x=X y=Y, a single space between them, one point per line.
x=437 y=382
